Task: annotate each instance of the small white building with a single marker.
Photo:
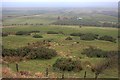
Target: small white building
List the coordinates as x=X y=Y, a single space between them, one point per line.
x=79 y=18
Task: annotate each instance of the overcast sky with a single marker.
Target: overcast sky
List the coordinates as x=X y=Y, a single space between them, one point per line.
x=60 y=3
x=60 y=0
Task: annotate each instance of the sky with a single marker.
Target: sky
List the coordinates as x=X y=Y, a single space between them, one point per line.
x=60 y=3
x=60 y=0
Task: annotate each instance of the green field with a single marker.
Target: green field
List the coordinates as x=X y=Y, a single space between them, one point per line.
x=65 y=21
x=65 y=47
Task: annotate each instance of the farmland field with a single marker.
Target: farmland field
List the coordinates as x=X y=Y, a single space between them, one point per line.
x=58 y=37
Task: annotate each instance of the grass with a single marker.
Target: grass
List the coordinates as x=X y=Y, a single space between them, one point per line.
x=18 y=41
x=66 y=47
x=15 y=41
x=41 y=65
x=66 y=29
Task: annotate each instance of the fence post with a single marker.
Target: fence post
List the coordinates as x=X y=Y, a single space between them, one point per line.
x=46 y=72
x=63 y=75
x=85 y=75
x=17 y=67
x=96 y=76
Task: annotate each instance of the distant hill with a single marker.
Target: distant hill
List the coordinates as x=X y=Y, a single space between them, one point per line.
x=102 y=17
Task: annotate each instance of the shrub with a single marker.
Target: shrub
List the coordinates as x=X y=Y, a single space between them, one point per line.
x=37 y=36
x=68 y=38
x=94 y=52
x=4 y=34
x=42 y=53
x=34 y=31
x=100 y=68
x=52 y=32
x=107 y=38
x=111 y=54
x=22 y=33
x=118 y=36
x=67 y=64
x=76 y=34
x=33 y=53
x=89 y=36
x=9 y=52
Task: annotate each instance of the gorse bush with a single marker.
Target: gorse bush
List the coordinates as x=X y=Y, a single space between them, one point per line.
x=67 y=64
x=94 y=52
x=9 y=52
x=42 y=53
x=34 y=31
x=26 y=32
x=89 y=36
x=30 y=53
x=52 y=32
x=37 y=36
x=107 y=38
x=22 y=33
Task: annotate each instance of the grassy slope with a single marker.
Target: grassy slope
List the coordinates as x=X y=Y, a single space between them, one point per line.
x=68 y=48
x=14 y=41
x=67 y=29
